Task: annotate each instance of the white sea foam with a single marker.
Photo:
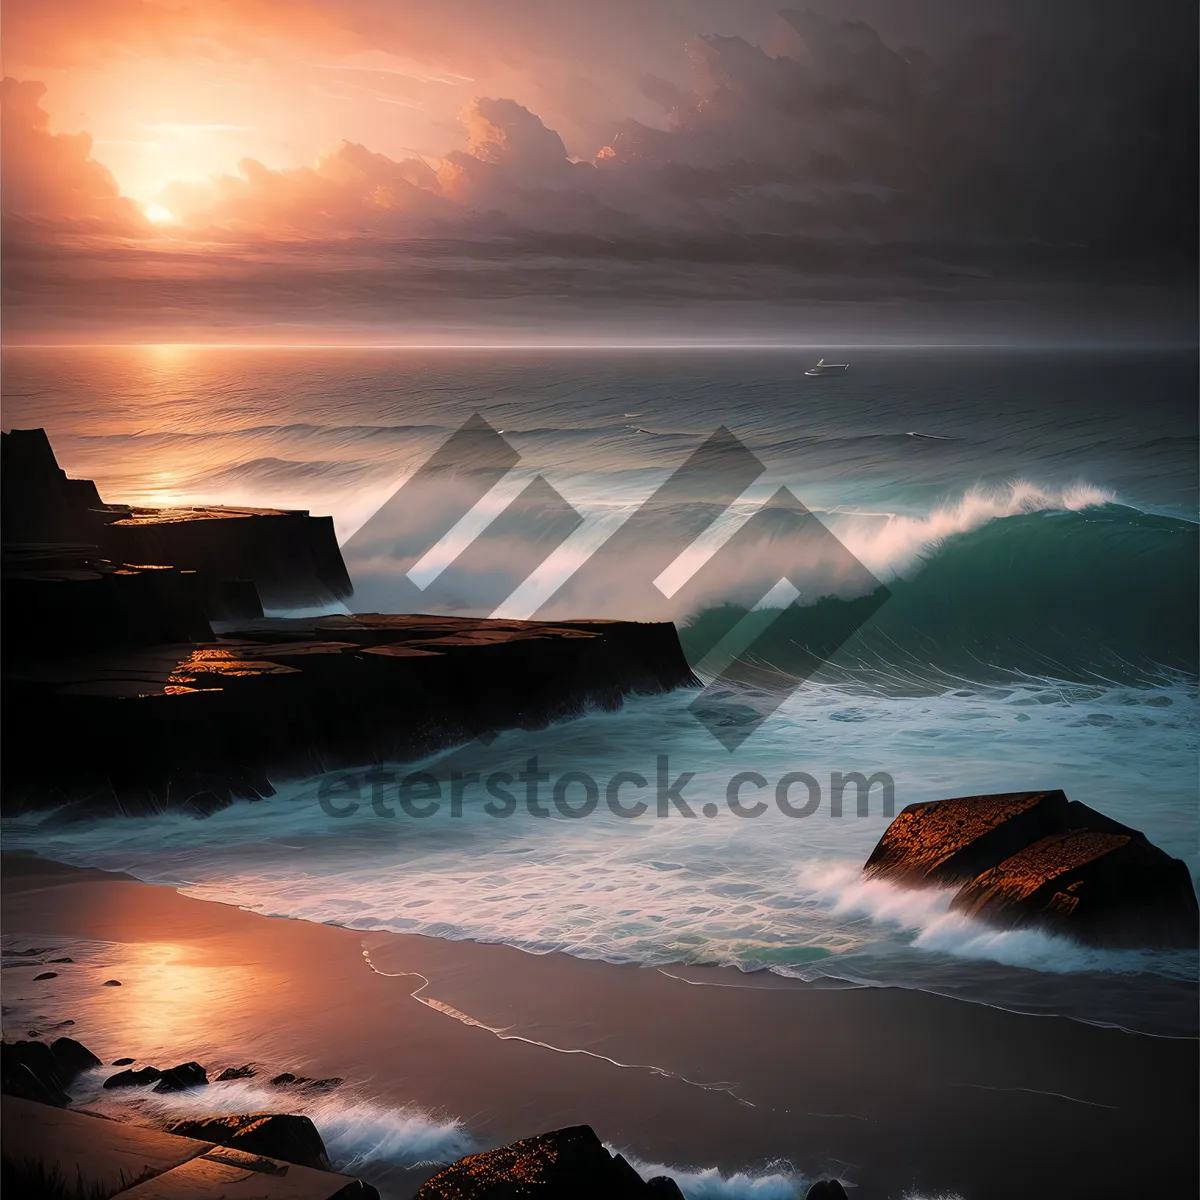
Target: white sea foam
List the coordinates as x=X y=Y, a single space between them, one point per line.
x=899 y=544
x=776 y=1182
x=358 y=1133
x=926 y=912
x=362 y=1136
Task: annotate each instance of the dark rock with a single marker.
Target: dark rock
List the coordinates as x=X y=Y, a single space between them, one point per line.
x=180 y=1078
x=235 y=600
x=332 y=1082
x=292 y=1138
x=36 y=1071
x=286 y=1079
x=663 y=1188
x=567 y=1164
x=30 y=1070
x=39 y=505
x=72 y=1057
x=46 y=975
x=61 y=602
x=138 y=1078
x=239 y=556
x=826 y=1189
x=1036 y=859
x=193 y=729
x=288 y=558
x=111 y=983
x=63 y=1024
x=23 y=1081
x=1105 y=889
x=62 y=960
x=246 y=1072
x=123 y=1062
x=164 y=715
x=33 y=1033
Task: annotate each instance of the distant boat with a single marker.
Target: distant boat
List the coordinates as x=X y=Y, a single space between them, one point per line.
x=824 y=368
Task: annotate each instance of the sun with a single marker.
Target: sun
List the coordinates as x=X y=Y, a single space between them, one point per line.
x=159 y=213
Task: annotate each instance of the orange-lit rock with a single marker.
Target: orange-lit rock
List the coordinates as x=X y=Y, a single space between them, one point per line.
x=566 y=1164
x=1025 y=859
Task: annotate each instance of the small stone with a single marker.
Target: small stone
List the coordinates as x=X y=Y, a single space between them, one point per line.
x=46 y=975
x=123 y=1062
x=62 y=960
x=332 y=1082
x=111 y=983
x=286 y=1079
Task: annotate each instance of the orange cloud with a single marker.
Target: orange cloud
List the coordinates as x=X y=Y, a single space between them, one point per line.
x=51 y=179
x=71 y=33
x=350 y=190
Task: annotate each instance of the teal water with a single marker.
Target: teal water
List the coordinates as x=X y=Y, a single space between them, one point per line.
x=1032 y=514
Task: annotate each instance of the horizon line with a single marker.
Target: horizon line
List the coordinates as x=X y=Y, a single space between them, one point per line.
x=1098 y=344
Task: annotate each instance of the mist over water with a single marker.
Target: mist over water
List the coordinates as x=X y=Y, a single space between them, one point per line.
x=1033 y=516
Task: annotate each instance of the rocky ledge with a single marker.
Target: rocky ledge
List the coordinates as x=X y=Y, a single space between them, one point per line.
x=244 y=557
x=1037 y=859
x=194 y=726
x=111 y=655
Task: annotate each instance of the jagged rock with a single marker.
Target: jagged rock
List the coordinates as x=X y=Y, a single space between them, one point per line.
x=29 y=1070
x=323 y=1084
x=109 y=620
x=72 y=1057
x=40 y=504
x=245 y=1072
x=826 y=1189
x=21 y=1080
x=138 y=1078
x=1036 y=859
x=292 y=1138
x=566 y=1164
x=286 y=1079
x=36 y=1071
x=237 y=557
x=180 y=1078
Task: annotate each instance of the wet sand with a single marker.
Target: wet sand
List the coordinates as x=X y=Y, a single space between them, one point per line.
x=896 y=1092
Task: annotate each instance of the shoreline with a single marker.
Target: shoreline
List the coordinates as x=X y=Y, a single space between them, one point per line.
x=894 y=1091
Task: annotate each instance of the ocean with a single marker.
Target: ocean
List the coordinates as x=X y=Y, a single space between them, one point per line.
x=1033 y=515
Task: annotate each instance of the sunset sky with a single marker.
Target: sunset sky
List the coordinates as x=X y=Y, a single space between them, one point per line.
x=349 y=163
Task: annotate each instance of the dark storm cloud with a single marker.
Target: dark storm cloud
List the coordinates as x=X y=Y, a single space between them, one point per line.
x=787 y=157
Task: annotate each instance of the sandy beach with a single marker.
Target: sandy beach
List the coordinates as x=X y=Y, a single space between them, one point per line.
x=897 y=1092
